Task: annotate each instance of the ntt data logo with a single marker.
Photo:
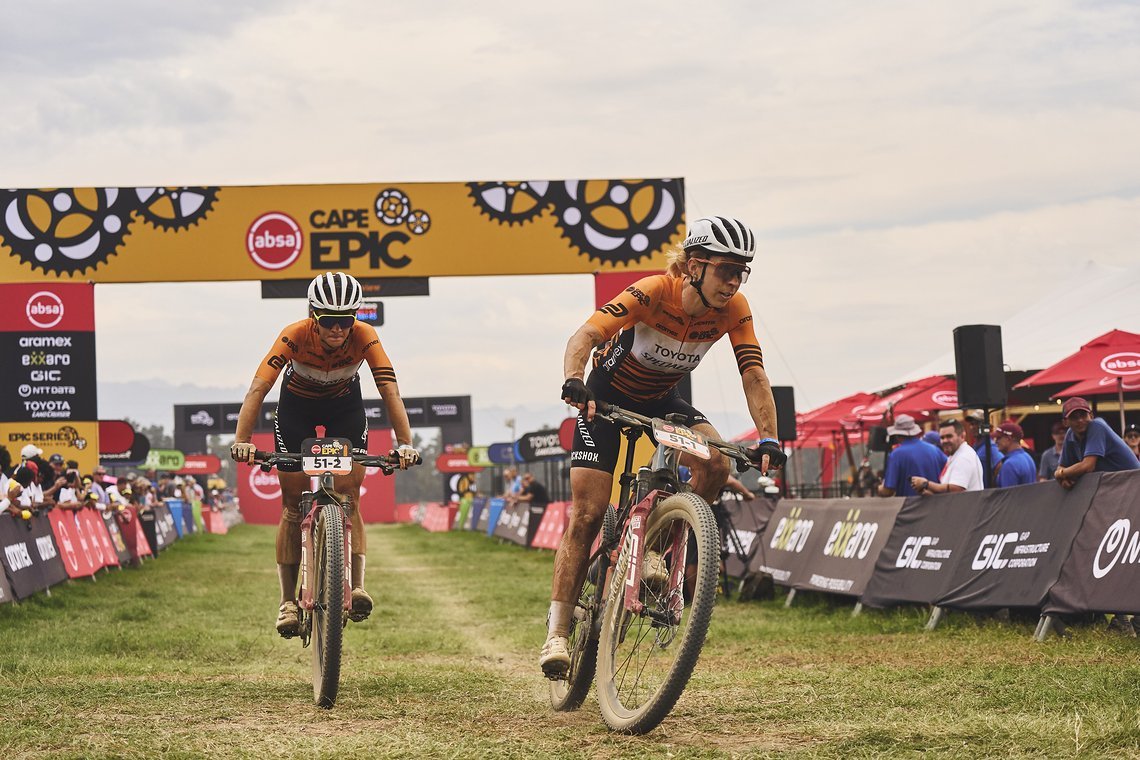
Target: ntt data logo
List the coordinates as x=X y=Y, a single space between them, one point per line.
x=1123 y=363
x=274 y=241
x=44 y=309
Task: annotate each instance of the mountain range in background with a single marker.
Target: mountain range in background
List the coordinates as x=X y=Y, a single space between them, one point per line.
x=151 y=402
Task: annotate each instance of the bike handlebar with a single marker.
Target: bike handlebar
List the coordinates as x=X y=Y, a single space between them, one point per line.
x=388 y=463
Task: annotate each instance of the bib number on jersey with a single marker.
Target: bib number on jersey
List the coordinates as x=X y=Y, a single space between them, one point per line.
x=326 y=455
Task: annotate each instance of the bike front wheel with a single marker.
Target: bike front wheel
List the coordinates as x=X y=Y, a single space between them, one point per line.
x=645 y=659
x=328 y=612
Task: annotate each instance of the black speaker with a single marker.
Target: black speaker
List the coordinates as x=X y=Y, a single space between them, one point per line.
x=877 y=439
x=980 y=369
x=785 y=398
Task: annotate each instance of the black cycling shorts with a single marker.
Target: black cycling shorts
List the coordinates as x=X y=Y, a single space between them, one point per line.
x=596 y=443
x=297 y=419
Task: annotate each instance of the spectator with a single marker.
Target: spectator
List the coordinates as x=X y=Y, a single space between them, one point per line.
x=963 y=470
x=1017 y=467
x=1051 y=457
x=931 y=437
x=98 y=488
x=71 y=495
x=19 y=493
x=912 y=457
x=536 y=498
x=1132 y=438
x=1090 y=445
x=866 y=483
x=978 y=436
x=512 y=484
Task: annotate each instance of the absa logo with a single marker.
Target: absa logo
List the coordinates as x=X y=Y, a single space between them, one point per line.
x=44 y=309
x=948 y=399
x=274 y=241
x=1121 y=363
x=263 y=484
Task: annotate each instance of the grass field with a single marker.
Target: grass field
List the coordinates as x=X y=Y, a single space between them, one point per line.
x=180 y=659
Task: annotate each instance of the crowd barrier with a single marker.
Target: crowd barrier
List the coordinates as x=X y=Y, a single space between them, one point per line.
x=53 y=546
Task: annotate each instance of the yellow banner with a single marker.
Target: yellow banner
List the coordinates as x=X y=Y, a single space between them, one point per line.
x=171 y=234
x=71 y=440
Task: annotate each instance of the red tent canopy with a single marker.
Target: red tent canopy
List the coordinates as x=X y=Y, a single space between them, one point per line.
x=818 y=423
x=919 y=398
x=1114 y=354
x=1102 y=386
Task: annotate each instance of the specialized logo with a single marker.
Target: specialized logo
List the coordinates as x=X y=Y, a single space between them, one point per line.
x=947 y=399
x=44 y=309
x=263 y=484
x=585 y=433
x=274 y=241
x=1122 y=363
x=1120 y=546
x=851 y=537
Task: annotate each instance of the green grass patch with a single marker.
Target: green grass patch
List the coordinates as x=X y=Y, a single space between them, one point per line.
x=178 y=658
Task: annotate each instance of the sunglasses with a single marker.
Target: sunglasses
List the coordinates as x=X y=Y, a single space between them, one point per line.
x=726 y=270
x=329 y=321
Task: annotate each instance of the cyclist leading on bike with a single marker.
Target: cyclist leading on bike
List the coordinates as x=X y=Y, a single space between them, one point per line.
x=644 y=341
x=321 y=357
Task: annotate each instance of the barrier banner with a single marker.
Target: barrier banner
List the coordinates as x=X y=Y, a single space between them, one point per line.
x=553 y=525
x=96 y=532
x=438 y=518
x=6 y=594
x=31 y=559
x=134 y=536
x=73 y=548
x=478 y=507
x=118 y=544
x=494 y=509
x=749 y=518
x=1014 y=552
x=189 y=509
x=781 y=552
x=409 y=229
x=148 y=521
x=848 y=537
x=481 y=523
x=215 y=522
x=916 y=563
x=1102 y=572
x=164 y=525
x=176 y=507
x=404 y=512
x=512 y=524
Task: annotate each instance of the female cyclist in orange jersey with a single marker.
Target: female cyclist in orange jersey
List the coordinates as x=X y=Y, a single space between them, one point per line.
x=321 y=356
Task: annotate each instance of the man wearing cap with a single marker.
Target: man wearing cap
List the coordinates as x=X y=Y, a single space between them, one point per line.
x=1090 y=445
x=963 y=471
x=973 y=421
x=1017 y=467
x=912 y=457
x=1051 y=457
x=1132 y=437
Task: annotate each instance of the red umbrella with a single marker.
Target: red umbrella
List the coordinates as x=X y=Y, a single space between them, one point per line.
x=1103 y=386
x=834 y=416
x=1114 y=356
x=916 y=398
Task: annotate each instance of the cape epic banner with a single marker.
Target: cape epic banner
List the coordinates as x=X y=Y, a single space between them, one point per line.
x=169 y=234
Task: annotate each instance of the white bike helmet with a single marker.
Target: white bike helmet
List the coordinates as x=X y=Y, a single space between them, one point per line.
x=722 y=235
x=335 y=291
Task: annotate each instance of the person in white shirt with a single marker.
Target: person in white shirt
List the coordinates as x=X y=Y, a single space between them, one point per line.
x=963 y=470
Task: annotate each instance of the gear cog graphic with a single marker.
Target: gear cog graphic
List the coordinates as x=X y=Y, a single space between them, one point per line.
x=393 y=206
x=618 y=221
x=511 y=202
x=65 y=230
x=175 y=208
x=419 y=222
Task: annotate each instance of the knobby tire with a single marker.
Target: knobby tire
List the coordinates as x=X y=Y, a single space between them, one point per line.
x=328 y=615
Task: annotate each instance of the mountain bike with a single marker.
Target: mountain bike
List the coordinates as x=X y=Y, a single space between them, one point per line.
x=639 y=625
x=325 y=596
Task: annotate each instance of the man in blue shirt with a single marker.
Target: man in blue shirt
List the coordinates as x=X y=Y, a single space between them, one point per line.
x=1017 y=467
x=1051 y=457
x=1090 y=445
x=913 y=456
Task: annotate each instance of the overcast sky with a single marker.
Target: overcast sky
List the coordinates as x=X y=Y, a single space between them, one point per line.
x=908 y=167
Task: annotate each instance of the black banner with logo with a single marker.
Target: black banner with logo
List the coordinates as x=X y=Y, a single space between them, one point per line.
x=781 y=552
x=117 y=540
x=541 y=444
x=845 y=542
x=30 y=557
x=513 y=521
x=6 y=594
x=749 y=518
x=1102 y=572
x=164 y=525
x=135 y=455
x=1014 y=551
x=47 y=377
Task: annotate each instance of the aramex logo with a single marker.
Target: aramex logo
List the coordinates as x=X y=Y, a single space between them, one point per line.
x=264 y=485
x=44 y=309
x=1122 y=363
x=274 y=241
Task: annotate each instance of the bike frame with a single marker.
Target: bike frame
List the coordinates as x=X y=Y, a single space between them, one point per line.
x=308 y=553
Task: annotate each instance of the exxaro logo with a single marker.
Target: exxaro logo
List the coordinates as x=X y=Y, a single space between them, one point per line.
x=850 y=537
x=791 y=532
x=1119 y=546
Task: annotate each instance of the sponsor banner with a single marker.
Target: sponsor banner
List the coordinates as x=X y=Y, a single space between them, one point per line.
x=6 y=594
x=136 y=454
x=1102 y=571
x=845 y=542
x=371 y=312
x=477 y=456
x=373 y=287
x=29 y=554
x=541 y=444
x=74 y=548
x=291 y=232
x=566 y=432
x=72 y=440
x=47 y=336
x=134 y=537
x=482 y=518
x=512 y=523
x=164 y=524
x=457 y=462
x=441 y=410
x=553 y=525
x=201 y=418
x=148 y=522
x=919 y=557
x=214 y=521
x=494 y=509
x=96 y=531
x=478 y=507
x=177 y=508
x=165 y=460
x=438 y=518
x=115 y=437
x=786 y=537
x=118 y=542
x=749 y=518
x=502 y=453
x=200 y=464
x=1014 y=552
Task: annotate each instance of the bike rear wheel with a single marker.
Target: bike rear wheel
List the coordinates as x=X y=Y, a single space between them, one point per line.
x=328 y=598
x=645 y=660
x=569 y=693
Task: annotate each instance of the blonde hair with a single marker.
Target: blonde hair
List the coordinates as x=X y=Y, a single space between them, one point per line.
x=676 y=258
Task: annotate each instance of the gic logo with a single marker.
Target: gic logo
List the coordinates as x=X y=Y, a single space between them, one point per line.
x=274 y=241
x=44 y=309
x=1122 y=363
x=264 y=485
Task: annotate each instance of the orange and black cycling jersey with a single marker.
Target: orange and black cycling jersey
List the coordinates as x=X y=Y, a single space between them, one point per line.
x=652 y=342
x=311 y=371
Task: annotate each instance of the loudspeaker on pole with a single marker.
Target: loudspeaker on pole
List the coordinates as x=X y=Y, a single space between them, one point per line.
x=979 y=365
x=785 y=398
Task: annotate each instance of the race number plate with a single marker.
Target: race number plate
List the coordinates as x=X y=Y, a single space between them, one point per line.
x=680 y=437
x=321 y=455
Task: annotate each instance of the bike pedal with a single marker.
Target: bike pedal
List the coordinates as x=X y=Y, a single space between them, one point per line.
x=556 y=675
